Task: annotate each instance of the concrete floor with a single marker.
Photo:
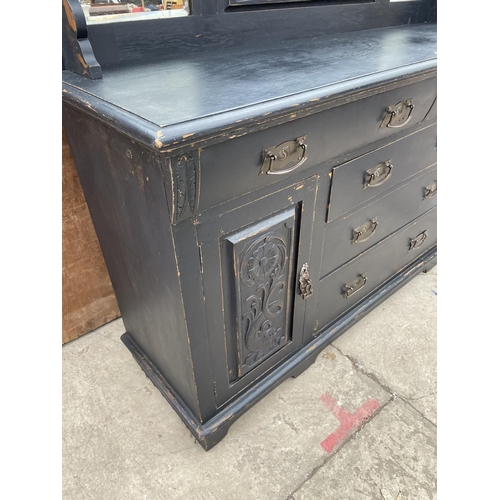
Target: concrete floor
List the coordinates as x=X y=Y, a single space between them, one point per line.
x=121 y=439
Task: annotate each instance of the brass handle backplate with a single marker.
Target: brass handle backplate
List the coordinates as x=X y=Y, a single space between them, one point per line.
x=365 y=231
x=354 y=286
x=379 y=174
x=276 y=159
x=305 y=283
x=418 y=240
x=398 y=115
x=431 y=191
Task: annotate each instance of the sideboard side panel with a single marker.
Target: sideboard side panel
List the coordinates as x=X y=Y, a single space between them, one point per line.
x=124 y=188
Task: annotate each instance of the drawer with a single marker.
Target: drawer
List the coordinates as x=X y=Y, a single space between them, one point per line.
x=237 y=164
x=358 y=181
x=351 y=235
x=368 y=271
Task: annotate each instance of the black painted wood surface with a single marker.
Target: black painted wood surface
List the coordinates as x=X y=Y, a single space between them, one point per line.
x=213 y=25
x=219 y=92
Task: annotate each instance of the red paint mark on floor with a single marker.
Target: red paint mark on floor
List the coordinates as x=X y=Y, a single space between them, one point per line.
x=349 y=422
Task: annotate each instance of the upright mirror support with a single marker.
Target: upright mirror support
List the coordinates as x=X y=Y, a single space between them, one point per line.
x=77 y=52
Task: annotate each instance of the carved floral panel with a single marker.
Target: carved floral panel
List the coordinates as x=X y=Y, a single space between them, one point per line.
x=262 y=260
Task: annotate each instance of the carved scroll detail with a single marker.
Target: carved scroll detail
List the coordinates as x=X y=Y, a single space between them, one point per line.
x=263 y=294
x=184 y=195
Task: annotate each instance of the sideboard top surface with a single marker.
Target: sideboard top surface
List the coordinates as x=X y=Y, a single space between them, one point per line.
x=180 y=99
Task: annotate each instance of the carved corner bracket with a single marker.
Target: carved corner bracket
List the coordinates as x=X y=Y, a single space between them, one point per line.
x=184 y=187
x=78 y=55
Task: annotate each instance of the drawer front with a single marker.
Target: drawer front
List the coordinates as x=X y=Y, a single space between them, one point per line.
x=341 y=290
x=247 y=163
x=356 y=182
x=349 y=236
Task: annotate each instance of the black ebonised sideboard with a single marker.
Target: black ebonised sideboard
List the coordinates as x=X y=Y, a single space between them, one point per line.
x=283 y=190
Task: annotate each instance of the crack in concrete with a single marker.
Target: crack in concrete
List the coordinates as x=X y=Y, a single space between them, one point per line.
x=358 y=366
x=110 y=338
x=418 y=411
x=422 y=397
x=334 y=453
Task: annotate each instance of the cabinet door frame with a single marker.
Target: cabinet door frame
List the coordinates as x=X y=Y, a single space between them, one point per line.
x=215 y=236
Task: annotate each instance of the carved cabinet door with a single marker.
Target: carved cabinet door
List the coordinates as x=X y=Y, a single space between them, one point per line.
x=255 y=284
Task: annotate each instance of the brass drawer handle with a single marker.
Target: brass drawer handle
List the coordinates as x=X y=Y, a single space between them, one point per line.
x=376 y=176
x=365 y=231
x=431 y=190
x=354 y=286
x=398 y=115
x=418 y=240
x=276 y=159
x=305 y=283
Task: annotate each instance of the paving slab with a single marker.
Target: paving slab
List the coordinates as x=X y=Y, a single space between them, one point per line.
x=122 y=440
x=396 y=343
x=394 y=454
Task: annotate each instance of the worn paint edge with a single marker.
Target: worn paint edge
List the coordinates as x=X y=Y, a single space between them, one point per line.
x=217 y=127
